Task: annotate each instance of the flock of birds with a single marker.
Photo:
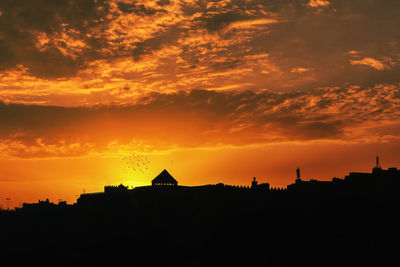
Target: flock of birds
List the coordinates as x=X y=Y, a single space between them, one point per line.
x=136 y=163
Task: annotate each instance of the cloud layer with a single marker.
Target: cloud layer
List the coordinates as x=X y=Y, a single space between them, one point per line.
x=98 y=75
x=72 y=52
x=203 y=118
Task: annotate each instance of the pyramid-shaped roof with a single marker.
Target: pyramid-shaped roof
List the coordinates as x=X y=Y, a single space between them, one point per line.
x=164 y=178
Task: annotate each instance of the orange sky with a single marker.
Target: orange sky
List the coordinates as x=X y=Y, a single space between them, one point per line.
x=214 y=91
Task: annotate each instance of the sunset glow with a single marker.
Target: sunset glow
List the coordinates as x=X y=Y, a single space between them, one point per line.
x=213 y=91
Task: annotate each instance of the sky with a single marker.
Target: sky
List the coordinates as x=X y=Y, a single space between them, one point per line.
x=99 y=92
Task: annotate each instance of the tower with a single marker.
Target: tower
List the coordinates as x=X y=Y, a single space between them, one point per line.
x=377 y=168
x=254 y=183
x=298 y=177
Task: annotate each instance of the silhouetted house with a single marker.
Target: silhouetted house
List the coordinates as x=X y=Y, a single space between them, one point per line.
x=164 y=179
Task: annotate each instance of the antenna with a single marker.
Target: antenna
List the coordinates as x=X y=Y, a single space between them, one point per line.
x=8 y=203
x=377 y=162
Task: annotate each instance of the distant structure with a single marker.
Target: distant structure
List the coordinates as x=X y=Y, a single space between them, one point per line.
x=164 y=186
x=115 y=189
x=298 y=177
x=44 y=205
x=378 y=166
x=379 y=182
x=164 y=179
x=254 y=183
x=259 y=187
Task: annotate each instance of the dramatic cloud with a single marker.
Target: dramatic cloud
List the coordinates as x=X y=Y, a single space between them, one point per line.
x=134 y=74
x=367 y=61
x=162 y=74
x=300 y=70
x=203 y=118
x=71 y=52
x=318 y=3
x=50 y=37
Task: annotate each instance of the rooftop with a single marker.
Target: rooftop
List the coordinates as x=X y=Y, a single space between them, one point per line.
x=164 y=178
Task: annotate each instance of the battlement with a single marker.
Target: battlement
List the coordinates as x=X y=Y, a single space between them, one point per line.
x=113 y=188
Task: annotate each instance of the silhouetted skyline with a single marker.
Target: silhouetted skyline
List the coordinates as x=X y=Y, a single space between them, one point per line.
x=342 y=222
x=379 y=182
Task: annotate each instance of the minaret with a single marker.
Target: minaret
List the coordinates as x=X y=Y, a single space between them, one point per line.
x=377 y=168
x=298 y=178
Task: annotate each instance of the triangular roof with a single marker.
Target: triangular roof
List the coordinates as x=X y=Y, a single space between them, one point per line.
x=164 y=178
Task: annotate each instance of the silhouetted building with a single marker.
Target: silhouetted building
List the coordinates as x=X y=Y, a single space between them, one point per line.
x=43 y=205
x=164 y=187
x=255 y=185
x=379 y=182
x=164 y=179
x=62 y=203
x=115 y=189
